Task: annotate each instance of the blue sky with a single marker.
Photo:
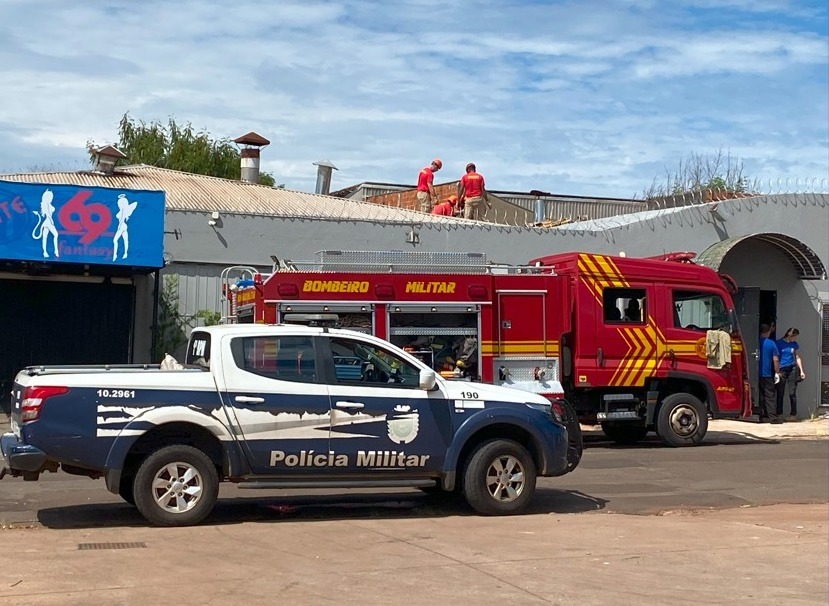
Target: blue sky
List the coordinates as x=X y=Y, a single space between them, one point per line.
x=583 y=97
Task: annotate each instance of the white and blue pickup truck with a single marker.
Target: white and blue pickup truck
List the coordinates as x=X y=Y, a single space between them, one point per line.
x=284 y=406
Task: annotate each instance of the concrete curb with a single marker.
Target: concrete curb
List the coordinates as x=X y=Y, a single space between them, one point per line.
x=804 y=429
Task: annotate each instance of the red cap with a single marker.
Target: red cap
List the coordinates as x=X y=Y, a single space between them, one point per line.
x=437 y=162
x=470 y=165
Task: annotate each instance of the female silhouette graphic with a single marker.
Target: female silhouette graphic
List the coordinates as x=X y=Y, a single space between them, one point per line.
x=125 y=210
x=45 y=223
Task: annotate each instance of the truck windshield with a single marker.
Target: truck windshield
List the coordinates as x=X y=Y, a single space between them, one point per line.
x=697 y=310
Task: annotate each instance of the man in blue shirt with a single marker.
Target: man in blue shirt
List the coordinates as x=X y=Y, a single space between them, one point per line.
x=769 y=369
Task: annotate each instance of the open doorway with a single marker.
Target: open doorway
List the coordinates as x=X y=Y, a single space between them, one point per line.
x=768 y=311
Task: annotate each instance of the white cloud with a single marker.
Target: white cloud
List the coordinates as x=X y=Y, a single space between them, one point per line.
x=585 y=98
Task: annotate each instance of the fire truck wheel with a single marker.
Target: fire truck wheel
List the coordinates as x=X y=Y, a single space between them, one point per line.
x=624 y=432
x=499 y=478
x=176 y=485
x=682 y=420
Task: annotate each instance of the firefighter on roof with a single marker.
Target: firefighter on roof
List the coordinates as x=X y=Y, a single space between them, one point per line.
x=426 y=195
x=472 y=193
x=447 y=207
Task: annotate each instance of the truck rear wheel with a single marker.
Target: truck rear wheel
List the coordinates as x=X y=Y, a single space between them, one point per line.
x=499 y=478
x=624 y=432
x=682 y=420
x=176 y=486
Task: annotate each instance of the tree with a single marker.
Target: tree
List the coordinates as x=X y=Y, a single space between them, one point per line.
x=179 y=148
x=719 y=172
x=172 y=326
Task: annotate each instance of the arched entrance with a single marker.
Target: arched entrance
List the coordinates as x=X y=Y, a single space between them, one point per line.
x=803 y=259
x=774 y=273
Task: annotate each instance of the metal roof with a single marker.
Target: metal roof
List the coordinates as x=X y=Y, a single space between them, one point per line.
x=200 y=193
x=804 y=260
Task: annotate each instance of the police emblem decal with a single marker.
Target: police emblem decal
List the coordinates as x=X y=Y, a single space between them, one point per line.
x=404 y=425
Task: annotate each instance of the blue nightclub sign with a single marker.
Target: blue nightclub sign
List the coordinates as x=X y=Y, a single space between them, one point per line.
x=76 y=224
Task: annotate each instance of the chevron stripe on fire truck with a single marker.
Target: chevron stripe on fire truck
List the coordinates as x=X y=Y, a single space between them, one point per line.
x=597 y=272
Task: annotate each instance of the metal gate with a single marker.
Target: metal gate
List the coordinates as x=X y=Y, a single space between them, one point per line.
x=57 y=322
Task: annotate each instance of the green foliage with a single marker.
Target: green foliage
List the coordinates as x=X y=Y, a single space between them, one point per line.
x=208 y=317
x=170 y=324
x=173 y=327
x=179 y=147
x=718 y=172
x=266 y=179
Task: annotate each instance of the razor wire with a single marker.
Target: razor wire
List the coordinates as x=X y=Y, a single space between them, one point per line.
x=558 y=214
x=603 y=214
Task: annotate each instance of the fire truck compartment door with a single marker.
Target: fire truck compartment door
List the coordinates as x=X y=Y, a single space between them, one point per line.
x=522 y=323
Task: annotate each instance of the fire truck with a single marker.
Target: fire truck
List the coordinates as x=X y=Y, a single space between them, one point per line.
x=634 y=344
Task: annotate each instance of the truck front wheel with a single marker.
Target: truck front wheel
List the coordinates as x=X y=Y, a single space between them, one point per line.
x=499 y=478
x=682 y=420
x=176 y=486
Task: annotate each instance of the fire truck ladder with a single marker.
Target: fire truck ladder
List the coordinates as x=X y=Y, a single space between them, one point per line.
x=229 y=279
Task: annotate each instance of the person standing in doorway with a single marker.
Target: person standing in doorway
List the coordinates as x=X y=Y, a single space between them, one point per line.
x=791 y=371
x=769 y=376
x=472 y=191
x=426 y=196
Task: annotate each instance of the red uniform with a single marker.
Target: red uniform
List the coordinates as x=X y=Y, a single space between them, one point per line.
x=444 y=208
x=473 y=185
x=425 y=178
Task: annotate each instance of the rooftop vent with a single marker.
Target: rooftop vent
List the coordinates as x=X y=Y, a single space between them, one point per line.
x=324 y=168
x=107 y=157
x=249 y=147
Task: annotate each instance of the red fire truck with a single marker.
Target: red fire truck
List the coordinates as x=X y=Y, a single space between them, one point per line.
x=634 y=344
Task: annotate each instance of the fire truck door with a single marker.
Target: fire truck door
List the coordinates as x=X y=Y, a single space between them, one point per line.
x=747 y=306
x=522 y=323
x=624 y=341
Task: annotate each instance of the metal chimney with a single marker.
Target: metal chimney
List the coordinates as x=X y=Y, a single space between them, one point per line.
x=251 y=144
x=538 y=210
x=106 y=158
x=539 y=205
x=324 y=168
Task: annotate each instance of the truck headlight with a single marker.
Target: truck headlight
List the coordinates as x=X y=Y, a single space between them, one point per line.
x=547 y=409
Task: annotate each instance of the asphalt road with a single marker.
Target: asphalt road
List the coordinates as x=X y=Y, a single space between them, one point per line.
x=646 y=479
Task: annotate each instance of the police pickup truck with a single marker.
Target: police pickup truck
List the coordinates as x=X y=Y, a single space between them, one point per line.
x=284 y=406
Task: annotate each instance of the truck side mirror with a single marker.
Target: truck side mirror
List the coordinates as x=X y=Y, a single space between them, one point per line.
x=427 y=379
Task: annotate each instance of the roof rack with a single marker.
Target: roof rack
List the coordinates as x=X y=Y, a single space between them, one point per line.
x=360 y=261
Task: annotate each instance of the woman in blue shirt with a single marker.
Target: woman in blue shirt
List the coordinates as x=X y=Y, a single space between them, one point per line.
x=791 y=371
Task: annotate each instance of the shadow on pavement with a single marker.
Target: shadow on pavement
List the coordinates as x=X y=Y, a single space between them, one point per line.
x=596 y=439
x=313 y=508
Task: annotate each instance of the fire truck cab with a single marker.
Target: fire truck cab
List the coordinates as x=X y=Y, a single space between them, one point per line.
x=633 y=344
